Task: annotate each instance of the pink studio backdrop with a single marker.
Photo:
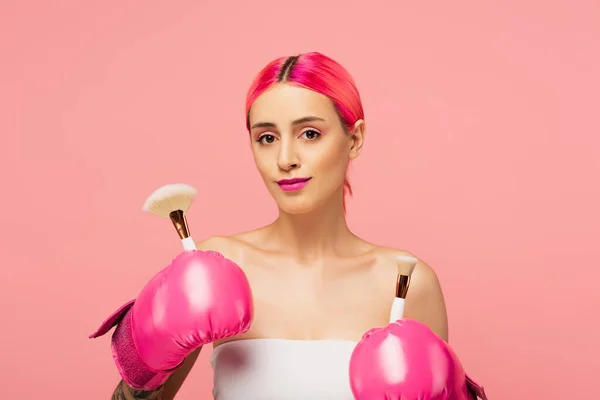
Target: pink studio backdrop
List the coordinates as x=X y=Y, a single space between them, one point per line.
x=481 y=157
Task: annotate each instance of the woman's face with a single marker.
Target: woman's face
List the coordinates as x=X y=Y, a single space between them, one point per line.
x=300 y=147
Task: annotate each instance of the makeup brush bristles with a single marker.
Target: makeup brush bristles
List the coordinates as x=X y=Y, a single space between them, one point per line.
x=406 y=265
x=169 y=198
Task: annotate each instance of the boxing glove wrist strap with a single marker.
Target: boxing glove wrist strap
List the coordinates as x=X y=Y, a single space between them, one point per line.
x=131 y=367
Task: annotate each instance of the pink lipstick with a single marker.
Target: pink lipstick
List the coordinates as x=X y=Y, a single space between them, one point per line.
x=290 y=185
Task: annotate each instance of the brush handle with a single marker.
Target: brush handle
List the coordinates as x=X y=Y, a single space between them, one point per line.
x=397 y=309
x=188 y=243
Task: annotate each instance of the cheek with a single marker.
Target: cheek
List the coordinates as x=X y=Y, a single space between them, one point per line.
x=332 y=159
x=262 y=161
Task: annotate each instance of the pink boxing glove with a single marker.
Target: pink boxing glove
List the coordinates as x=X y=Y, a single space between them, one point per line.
x=199 y=298
x=407 y=361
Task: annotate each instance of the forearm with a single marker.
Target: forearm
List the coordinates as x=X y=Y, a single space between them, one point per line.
x=125 y=392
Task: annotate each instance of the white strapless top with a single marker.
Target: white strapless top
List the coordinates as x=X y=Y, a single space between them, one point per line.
x=281 y=369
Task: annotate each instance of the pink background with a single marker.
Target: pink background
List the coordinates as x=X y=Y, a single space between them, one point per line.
x=482 y=157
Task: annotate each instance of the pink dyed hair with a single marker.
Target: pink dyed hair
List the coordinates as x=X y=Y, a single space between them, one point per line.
x=316 y=72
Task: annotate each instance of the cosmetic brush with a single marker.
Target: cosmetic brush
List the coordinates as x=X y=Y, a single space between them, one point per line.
x=406 y=266
x=173 y=201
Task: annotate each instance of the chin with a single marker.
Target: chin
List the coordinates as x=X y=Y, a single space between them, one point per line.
x=304 y=203
x=297 y=206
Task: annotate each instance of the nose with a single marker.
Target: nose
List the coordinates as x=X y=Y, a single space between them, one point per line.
x=288 y=156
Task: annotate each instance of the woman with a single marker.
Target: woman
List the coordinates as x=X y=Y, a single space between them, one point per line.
x=317 y=287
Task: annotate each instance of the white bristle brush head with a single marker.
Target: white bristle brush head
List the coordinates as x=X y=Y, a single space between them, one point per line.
x=406 y=264
x=168 y=198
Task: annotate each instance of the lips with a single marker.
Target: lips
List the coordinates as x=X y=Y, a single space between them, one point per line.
x=292 y=181
x=294 y=184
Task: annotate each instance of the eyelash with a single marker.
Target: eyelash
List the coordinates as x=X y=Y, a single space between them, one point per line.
x=313 y=130
x=261 y=137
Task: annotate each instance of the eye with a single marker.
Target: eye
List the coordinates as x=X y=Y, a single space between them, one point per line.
x=266 y=139
x=311 y=134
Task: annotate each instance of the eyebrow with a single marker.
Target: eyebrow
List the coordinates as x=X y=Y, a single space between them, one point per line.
x=296 y=122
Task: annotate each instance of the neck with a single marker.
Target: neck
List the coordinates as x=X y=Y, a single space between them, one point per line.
x=315 y=234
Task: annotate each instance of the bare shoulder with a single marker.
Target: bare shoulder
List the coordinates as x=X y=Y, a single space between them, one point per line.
x=425 y=299
x=221 y=244
x=235 y=247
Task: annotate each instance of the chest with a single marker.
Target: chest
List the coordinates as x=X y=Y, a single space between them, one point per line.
x=325 y=302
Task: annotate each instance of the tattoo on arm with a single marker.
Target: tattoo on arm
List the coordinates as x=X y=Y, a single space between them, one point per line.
x=123 y=392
